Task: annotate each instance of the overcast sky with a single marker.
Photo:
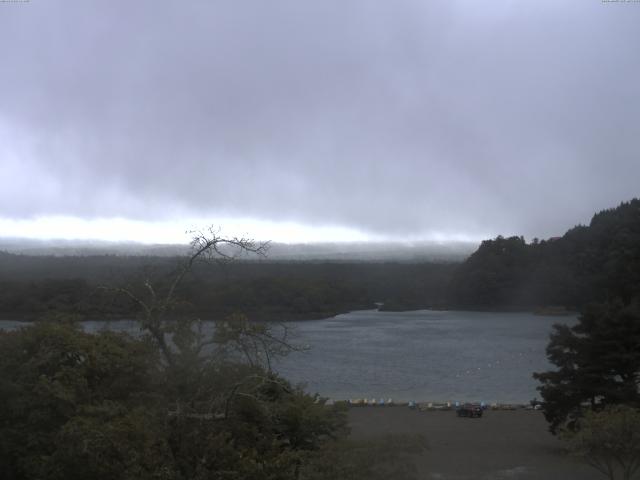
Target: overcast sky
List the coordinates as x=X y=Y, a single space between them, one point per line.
x=316 y=120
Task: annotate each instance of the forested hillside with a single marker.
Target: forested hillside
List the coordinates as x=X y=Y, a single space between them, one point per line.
x=31 y=287
x=588 y=264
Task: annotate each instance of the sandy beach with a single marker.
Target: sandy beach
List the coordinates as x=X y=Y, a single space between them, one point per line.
x=500 y=445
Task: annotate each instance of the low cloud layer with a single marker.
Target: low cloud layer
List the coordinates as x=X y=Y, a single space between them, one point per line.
x=403 y=118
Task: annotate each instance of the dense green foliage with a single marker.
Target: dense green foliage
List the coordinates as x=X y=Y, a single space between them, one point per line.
x=105 y=406
x=598 y=363
x=608 y=440
x=588 y=264
x=67 y=398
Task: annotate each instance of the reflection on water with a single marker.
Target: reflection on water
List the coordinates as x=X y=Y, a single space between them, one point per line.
x=420 y=355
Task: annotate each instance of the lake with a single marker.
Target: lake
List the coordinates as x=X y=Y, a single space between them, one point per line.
x=423 y=355
x=420 y=355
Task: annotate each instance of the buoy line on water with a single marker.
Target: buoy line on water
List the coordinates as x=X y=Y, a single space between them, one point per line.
x=433 y=406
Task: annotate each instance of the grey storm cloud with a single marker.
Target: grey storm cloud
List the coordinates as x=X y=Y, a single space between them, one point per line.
x=392 y=117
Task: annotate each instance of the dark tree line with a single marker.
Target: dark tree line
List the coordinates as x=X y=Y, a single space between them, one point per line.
x=588 y=264
x=591 y=263
x=33 y=287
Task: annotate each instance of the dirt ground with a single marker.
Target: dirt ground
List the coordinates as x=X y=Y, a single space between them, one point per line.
x=500 y=445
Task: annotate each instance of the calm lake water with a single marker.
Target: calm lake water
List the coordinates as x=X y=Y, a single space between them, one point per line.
x=419 y=355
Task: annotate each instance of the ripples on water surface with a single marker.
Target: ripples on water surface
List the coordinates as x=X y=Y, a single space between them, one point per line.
x=423 y=355
x=419 y=355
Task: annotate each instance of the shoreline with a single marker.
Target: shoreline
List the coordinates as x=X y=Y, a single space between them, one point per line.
x=426 y=406
x=310 y=316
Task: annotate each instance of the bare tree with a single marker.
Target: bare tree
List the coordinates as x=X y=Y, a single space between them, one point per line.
x=157 y=304
x=189 y=351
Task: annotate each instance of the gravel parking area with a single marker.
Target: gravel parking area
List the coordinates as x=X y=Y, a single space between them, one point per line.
x=500 y=445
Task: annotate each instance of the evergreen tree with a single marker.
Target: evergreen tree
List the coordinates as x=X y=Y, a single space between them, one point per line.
x=597 y=360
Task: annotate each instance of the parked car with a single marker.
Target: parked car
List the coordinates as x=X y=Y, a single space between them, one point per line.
x=471 y=410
